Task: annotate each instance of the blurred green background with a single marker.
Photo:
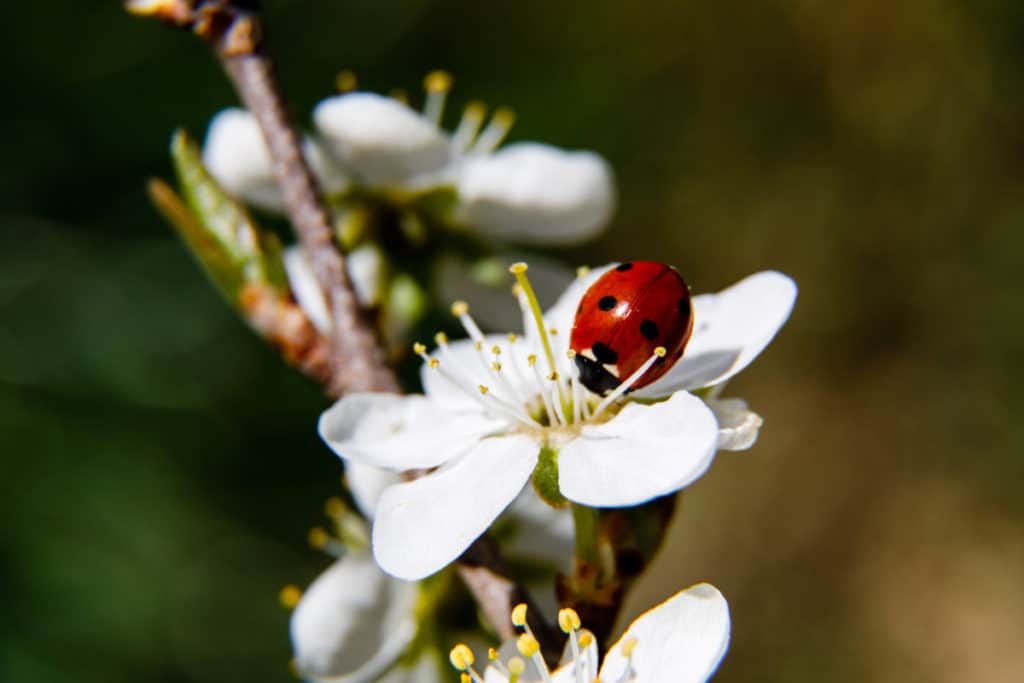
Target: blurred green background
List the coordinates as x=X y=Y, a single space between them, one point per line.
x=161 y=466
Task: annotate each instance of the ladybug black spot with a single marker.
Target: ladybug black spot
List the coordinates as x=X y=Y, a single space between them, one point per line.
x=604 y=354
x=649 y=329
x=607 y=303
x=684 y=306
x=623 y=267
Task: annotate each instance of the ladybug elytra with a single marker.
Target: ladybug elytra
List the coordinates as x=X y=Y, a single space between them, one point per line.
x=623 y=319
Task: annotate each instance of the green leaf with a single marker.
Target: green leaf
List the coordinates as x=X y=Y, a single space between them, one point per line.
x=218 y=230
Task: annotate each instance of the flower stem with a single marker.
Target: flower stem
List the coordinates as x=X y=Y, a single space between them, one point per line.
x=585 y=520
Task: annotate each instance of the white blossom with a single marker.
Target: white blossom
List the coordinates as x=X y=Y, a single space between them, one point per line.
x=682 y=640
x=493 y=404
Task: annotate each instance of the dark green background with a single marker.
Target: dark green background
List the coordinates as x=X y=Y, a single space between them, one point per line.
x=160 y=466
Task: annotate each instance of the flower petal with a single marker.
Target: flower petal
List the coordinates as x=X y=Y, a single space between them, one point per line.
x=529 y=192
x=367 y=484
x=682 y=640
x=644 y=452
x=236 y=155
x=472 y=368
x=730 y=329
x=384 y=142
x=353 y=622
x=400 y=432
x=738 y=426
x=306 y=289
x=424 y=525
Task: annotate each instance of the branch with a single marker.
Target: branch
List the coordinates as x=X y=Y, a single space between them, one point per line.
x=356 y=360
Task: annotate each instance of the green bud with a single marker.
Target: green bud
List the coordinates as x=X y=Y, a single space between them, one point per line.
x=545 y=478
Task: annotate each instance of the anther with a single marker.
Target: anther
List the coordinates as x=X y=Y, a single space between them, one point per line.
x=483 y=389
x=346 y=81
x=496 y=366
x=492 y=654
x=318 y=538
x=433 y=363
x=335 y=507
x=568 y=620
x=582 y=272
x=586 y=638
x=437 y=85
x=519 y=614
x=461 y=657
x=518 y=268
x=553 y=376
x=531 y=360
x=512 y=338
x=437 y=81
x=570 y=354
x=289 y=596
x=419 y=348
x=516 y=665
x=460 y=308
x=440 y=338
x=628 y=647
x=496 y=350
x=469 y=125
x=527 y=645
x=495 y=131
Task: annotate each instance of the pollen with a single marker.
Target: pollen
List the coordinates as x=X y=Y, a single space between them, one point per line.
x=504 y=117
x=318 y=538
x=570 y=354
x=568 y=620
x=492 y=654
x=519 y=614
x=516 y=666
x=335 y=507
x=460 y=308
x=483 y=389
x=582 y=272
x=346 y=81
x=496 y=367
x=518 y=268
x=628 y=647
x=531 y=360
x=660 y=352
x=438 y=81
x=419 y=348
x=527 y=645
x=553 y=376
x=496 y=350
x=440 y=338
x=290 y=596
x=434 y=363
x=512 y=338
x=586 y=638
x=461 y=657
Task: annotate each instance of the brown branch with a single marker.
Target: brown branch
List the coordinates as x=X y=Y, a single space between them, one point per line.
x=356 y=360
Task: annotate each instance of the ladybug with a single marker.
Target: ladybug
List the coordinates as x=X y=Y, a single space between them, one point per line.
x=623 y=317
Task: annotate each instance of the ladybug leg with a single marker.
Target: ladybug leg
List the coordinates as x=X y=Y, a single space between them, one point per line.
x=595 y=376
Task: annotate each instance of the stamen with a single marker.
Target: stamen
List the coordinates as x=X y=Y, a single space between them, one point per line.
x=469 y=126
x=568 y=620
x=516 y=666
x=461 y=658
x=319 y=539
x=529 y=647
x=519 y=614
x=519 y=270
x=630 y=381
x=289 y=596
x=460 y=309
x=577 y=397
x=346 y=81
x=495 y=132
x=437 y=85
x=335 y=507
x=582 y=272
x=544 y=394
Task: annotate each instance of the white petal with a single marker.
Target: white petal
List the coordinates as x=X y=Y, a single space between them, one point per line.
x=382 y=141
x=306 y=289
x=353 y=622
x=424 y=525
x=236 y=155
x=366 y=267
x=529 y=192
x=738 y=426
x=367 y=484
x=730 y=329
x=400 y=432
x=682 y=640
x=643 y=452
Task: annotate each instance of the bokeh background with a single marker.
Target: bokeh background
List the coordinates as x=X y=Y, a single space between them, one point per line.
x=160 y=466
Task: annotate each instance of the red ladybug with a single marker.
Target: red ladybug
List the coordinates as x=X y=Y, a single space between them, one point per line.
x=625 y=315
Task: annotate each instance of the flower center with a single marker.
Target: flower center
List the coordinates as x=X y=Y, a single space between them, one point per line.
x=530 y=381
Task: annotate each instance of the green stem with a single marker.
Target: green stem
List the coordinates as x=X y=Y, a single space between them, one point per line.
x=585 y=520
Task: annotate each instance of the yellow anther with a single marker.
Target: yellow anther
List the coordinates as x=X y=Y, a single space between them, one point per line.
x=628 y=647
x=568 y=620
x=335 y=507
x=496 y=350
x=475 y=109
x=519 y=614
x=440 y=338
x=438 y=81
x=419 y=348
x=512 y=338
x=483 y=389
x=527 y=645
x=553 y=331
x=346 y=81
x=582 y=272
x=553 y=376
x=586 y=638
x=570 y=354
x=531 y=360
x=516 y=666
x=496 y=367
x=504 y=117
x=518 y=268
x=318 y=538
x=479 y=346
x=460 y=308
x=492 y=654
x=465 y=678
x=660 y=352
x=290 y=596
x=461 y=657
x=433 y=363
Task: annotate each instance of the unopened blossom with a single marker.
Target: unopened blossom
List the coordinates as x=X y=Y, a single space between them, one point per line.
x=682 y=640
x=500 y=410
x=523 y=192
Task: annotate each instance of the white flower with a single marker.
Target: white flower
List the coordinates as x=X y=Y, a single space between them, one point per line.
x=498 y=410
x=365 y=267
x=524 y=192
x=682 y=640
x=354 y=621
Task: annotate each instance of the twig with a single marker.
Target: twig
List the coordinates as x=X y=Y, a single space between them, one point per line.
x=356 y=360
